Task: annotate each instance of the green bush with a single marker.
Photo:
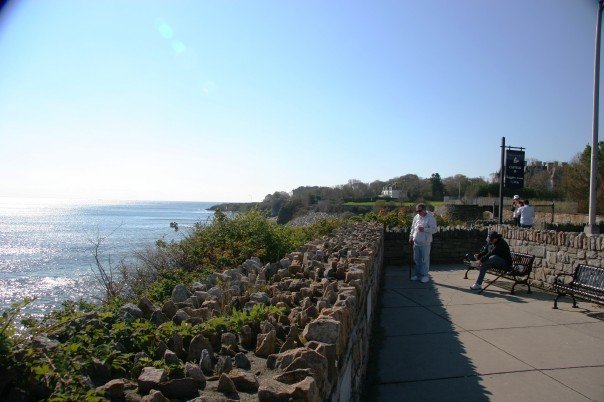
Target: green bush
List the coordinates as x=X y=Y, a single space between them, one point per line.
x=85 y=338
x=9 y=337
x=161 y=289
x=227 y=242
x=223 y=243
x=401 y=217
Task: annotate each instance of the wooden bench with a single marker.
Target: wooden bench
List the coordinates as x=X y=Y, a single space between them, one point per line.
x=522 y=266
x=586 y=282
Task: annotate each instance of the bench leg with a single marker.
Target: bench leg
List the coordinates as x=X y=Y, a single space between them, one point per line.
x=517 y=282
x=468 y=270
x=556 y=300
x=574 y=301
x=564 y=294
x=489 y=284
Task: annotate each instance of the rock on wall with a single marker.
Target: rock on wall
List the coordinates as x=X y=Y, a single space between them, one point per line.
x=317 y=352
x=353 y=363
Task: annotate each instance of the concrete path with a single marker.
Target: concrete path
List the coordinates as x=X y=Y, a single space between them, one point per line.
x=441 y=341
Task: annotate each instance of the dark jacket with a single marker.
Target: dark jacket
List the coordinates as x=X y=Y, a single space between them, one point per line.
x=500 y=248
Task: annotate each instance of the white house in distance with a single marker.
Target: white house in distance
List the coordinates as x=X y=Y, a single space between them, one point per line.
x=391 y=191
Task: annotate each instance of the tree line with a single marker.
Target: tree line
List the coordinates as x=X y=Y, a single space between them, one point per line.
x=567 y=181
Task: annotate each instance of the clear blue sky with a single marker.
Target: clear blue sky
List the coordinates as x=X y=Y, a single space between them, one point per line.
x=232 y=100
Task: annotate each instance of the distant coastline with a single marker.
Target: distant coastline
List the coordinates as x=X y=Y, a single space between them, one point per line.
x=234 y=206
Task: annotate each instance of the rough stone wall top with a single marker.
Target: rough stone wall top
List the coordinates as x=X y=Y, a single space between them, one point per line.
x=551 y=237
x=322 y=287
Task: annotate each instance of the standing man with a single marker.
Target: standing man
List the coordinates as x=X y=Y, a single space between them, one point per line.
x=422 y=228
x=527 y=215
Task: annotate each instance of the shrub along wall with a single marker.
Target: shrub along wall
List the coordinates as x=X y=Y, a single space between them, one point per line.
x=461 y=212
x=555 y=252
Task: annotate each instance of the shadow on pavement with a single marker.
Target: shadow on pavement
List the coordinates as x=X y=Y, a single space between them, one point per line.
x=415 y=353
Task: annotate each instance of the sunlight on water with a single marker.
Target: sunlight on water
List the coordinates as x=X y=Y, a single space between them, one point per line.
x=49 y=292
x=46 y=244
x=17 y=249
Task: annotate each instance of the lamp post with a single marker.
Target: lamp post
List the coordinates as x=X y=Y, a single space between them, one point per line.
x=591 y=227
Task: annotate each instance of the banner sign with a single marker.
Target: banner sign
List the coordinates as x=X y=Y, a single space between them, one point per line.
x=514 y=169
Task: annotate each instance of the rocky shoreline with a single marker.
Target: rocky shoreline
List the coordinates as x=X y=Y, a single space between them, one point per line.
x=297 y=355
x=311 y=218
x=234 y=206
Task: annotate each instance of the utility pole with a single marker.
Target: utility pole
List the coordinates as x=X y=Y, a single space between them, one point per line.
x=591 y=227
x=501 y=180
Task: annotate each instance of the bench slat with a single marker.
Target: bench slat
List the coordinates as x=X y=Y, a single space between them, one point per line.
x=589 y=276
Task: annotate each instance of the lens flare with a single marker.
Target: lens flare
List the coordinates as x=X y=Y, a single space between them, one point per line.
x=178 y=46
x=165 y=30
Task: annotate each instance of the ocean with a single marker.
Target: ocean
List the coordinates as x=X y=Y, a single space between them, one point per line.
x=46 y=244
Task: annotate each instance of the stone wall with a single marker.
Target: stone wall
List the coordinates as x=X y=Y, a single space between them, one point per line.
x=449 y=245
x=555 y=252
x=353 y=363
x=317 y=352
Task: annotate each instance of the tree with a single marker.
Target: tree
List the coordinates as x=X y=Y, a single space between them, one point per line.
x=576 y=178
x=455 y=186
x=411 y=185
x=437 y=187
x=290 y=210
x=275 y=201
x=473 y=187
x=375 y=187
x=541 y=183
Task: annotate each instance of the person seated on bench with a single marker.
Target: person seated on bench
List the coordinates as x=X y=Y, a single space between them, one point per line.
x=471 y=258
x=483 y=251
x=499 y=257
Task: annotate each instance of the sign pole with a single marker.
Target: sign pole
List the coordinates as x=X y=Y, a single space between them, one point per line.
x=501 y=180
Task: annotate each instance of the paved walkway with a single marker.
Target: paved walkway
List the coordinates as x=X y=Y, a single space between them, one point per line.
x=441 y=341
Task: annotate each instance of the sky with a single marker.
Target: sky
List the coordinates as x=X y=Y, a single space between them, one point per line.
x=232 y=100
